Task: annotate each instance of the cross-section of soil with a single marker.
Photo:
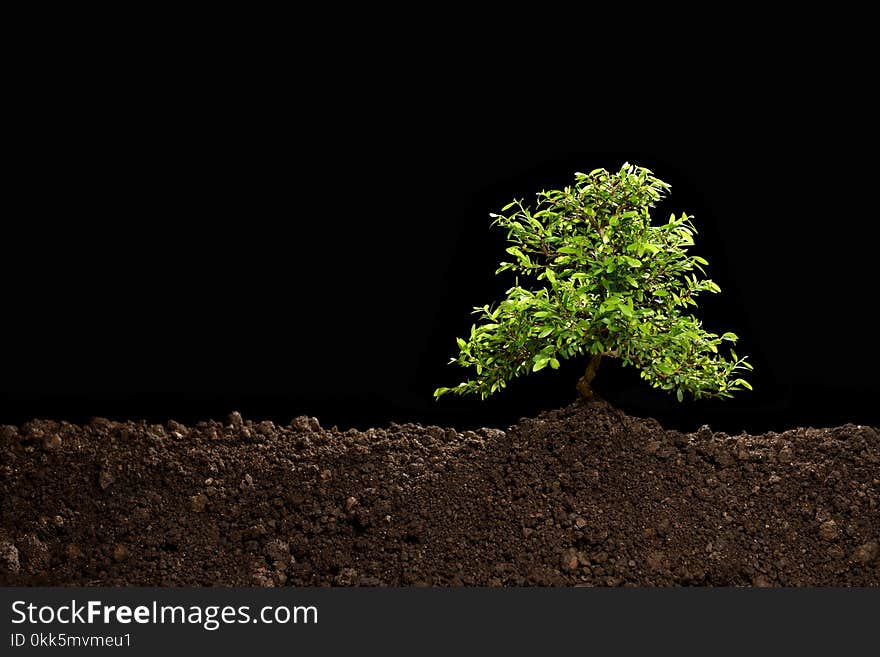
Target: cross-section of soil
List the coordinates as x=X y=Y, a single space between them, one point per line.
x=580 y=496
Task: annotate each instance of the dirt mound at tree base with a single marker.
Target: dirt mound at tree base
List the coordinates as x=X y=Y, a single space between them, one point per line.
x=580 y=496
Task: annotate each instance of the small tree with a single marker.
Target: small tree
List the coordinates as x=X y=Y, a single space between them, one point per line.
x=608 y=283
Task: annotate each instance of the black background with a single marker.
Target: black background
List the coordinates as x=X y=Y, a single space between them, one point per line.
x=183 y=249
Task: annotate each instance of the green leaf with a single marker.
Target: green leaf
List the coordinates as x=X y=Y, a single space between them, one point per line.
x=678 y=395
x=665 y=368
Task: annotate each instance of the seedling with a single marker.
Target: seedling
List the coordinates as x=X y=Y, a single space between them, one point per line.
x=603 y=282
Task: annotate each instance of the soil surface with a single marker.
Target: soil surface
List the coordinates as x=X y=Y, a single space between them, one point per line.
x=580 y=496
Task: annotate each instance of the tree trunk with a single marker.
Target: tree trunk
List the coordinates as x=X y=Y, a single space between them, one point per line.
x=583 y=385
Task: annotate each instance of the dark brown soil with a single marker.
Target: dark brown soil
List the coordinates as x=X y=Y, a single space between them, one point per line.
x=580 y=496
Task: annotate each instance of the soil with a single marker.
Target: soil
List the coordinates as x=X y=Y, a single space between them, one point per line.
x=584 y=495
